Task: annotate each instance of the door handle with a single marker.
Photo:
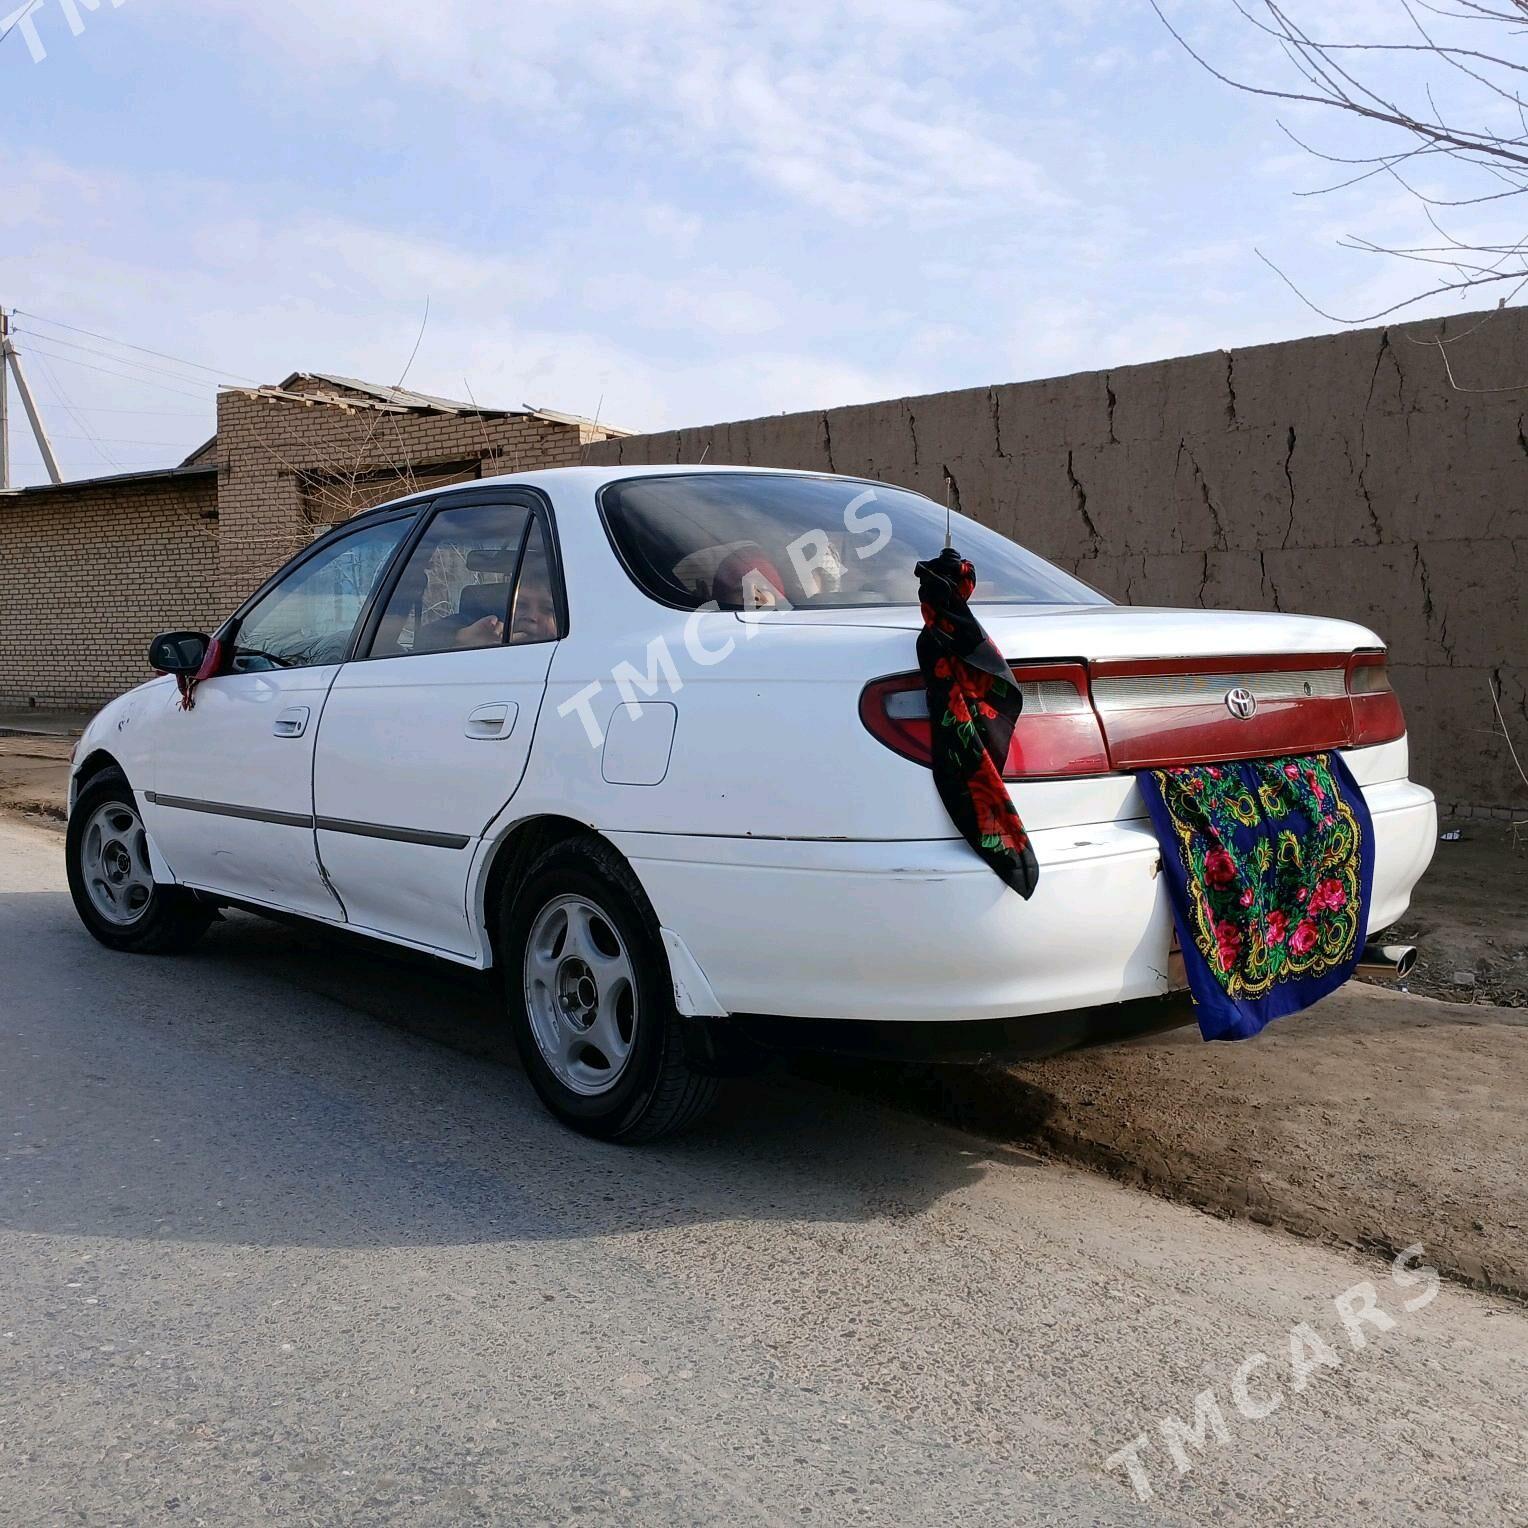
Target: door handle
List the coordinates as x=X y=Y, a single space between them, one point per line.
x=494 y=720
x=292 y=722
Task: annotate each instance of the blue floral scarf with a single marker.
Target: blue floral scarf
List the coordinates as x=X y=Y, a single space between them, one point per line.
x=1269 y=865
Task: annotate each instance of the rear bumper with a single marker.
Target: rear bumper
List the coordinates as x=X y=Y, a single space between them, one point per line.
x=966 y=1042
x=922 y=931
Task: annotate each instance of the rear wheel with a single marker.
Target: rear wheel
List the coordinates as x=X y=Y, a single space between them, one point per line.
x=118 y=900
x=591 y=1002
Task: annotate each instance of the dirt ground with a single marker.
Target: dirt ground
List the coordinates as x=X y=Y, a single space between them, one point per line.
x=1379 y=1118
x=1469 y=917
x=1374 y=1120
x=1383 y=1116
x=34 y=775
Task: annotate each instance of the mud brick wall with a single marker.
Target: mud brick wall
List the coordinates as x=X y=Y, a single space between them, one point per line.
x=1343 y=475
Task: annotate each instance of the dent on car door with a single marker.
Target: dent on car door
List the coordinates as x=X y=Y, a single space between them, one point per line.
x=231 y=803
x=426 y=733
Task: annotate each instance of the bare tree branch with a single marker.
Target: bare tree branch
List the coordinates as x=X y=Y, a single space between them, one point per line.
x=1456 y=136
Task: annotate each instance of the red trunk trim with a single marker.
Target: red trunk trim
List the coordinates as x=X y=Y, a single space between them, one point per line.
x=1160 y=737
x=1261 y=663
x=1202 y=730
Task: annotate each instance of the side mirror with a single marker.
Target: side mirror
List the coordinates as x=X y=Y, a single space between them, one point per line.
x=179 y=652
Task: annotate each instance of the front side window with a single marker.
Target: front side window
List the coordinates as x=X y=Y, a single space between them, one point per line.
x=307 y=618
x=746 y=541
x=479 y=577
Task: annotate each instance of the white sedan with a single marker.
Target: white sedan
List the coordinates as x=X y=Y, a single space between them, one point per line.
x=652 y=742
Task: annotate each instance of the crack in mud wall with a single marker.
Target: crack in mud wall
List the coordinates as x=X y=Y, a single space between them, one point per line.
x=1342 y=475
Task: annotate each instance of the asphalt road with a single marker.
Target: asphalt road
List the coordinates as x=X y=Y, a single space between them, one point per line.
x=285 y=1237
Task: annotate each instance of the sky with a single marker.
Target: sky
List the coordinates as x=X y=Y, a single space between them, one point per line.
x=660 y=212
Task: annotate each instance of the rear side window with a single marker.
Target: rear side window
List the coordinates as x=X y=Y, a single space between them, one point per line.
x=479 y=577
x=743 y=541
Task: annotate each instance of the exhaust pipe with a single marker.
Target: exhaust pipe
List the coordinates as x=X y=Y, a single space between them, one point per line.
x=1387 y=962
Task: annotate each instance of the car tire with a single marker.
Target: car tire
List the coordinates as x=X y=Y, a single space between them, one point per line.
x=591 y=1001
x=106 y=857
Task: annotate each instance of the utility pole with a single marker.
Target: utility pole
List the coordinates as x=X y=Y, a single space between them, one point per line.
x=5 y=403
x=39 y=431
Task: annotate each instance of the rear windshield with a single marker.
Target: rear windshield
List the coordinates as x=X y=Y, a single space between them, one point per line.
x=744 y=541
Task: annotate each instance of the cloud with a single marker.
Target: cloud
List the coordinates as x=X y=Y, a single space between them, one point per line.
x=700 y=301
x=239 y=286
x=691 y=209
x=841 y=106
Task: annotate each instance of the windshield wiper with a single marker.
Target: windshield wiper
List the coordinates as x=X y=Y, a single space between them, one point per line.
x=272 y=658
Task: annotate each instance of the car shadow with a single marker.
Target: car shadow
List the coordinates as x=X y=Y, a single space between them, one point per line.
x=282 y=1087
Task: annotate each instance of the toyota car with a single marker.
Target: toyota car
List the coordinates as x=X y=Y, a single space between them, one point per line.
x=651 y=742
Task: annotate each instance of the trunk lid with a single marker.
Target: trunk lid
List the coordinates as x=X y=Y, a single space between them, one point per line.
x=1096 y=632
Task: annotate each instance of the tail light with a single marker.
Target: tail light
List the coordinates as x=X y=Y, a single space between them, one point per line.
x=1377 y=714
x=1162 y=713
x=895 y=712
x=1057 y=733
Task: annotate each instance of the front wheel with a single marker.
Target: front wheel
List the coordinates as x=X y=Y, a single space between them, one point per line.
x=107 y=859
x=590 y=999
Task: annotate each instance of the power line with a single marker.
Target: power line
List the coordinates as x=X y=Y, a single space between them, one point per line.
x=125 y=376
x=123 y=440
x=119 y=365
x=130 y=464
x=25 y=12
x=127 y=461
x=25 y=450
x=107 y=355
x=96 y=408
x=127 y=345
x=58 y=387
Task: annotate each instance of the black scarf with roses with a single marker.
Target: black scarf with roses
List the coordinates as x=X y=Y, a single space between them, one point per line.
x=973 y=704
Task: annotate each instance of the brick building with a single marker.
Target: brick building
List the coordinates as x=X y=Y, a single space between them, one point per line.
x=1345 y=475
x=90 y=570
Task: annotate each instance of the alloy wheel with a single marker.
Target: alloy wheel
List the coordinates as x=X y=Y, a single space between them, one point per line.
x=114 y=861
x=581 y=995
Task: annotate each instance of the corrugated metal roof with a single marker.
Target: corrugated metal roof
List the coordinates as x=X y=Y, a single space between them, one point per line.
x=399 y=397
x=113 y=481
x=555 y=417
x=407 y=398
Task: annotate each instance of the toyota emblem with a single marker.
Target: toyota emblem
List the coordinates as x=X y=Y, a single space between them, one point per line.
x=1241 y=703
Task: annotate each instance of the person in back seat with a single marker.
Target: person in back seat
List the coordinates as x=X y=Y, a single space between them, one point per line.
x=747 y=580
x=478 y=622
